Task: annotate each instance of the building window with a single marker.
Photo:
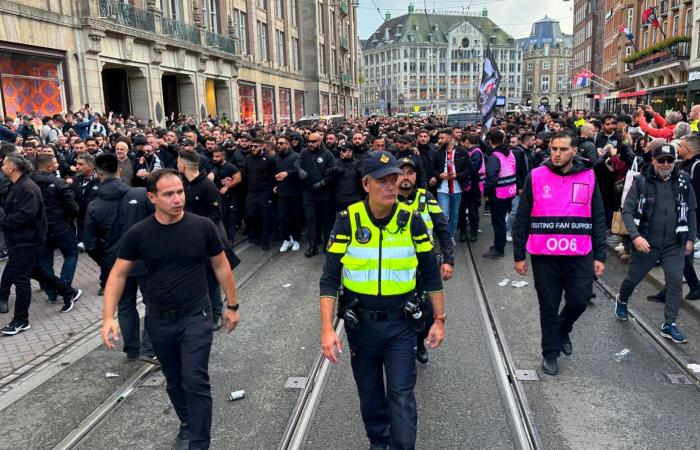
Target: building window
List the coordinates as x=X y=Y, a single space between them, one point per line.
x=40 y=76
x=209 y=13
x=171 y=9
x=529 y=66
x=281 y=49
x=262 y=42
x=262 y=4
x=295 y=54
x=279 y=9
x=293 y=12
x=240 y=25
x=545 y=65
x=322 y=59
x=268 y=104
x=630 y=18
x=246 y=94
x=528 y=85
x=321 y=21
x=675 y=25
x=561 y=66
x=544 y=86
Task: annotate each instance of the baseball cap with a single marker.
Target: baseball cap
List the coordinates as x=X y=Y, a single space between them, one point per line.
x=187 y=142
x=406 y=161
x=139 y=139
x=405 y=138
x=666 y=150
x=379 y=164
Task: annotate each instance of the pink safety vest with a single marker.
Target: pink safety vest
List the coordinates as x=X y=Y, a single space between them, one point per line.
x=506 y=187
x=482 y=170
x=560 y=221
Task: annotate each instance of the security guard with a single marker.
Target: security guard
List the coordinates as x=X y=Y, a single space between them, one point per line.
x=418 y=199
x=374 y=251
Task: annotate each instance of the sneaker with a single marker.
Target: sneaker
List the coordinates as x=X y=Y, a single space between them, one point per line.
x=81 y=246
x=182 y=440
x=671 y=331
x=694 y=294
x=296 y=246
x=509 y=237
x=620 y=247
x=15 y=327
x=621 y=309
x=3 y=255
x=286 y=245
x=70 y=302
x=487 y=212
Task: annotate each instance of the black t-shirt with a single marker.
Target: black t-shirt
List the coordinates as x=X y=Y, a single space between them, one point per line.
x=176 y=257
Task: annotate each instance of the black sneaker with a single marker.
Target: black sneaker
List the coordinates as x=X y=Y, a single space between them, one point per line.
x=566 y=347
x=182 y=440
x=659 y=297
x=550 y=365
x=15 y=327
x=70 y=302
x=101 y=292
x=694 y=294
x=422 y=354
x=493 y=253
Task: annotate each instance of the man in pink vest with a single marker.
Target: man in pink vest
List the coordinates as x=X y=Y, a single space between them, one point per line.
x=501 y=187
x=561 y=223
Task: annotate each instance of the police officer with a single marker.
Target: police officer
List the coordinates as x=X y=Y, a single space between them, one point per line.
x=561 y=223
x=374 y=251
x=176 y=247
x=422 y=201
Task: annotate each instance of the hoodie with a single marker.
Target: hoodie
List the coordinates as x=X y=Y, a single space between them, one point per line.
x=59 y=201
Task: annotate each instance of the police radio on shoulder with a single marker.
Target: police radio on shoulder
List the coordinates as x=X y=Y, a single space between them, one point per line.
x=232 y=307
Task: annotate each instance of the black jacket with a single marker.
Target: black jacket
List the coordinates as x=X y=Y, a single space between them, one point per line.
x=318 y=167
x=348 y=187
x=289 y=187
x=168 y=155
x=524 y=163
x=427 y=154
x=116 y=209
x=521 y=226
x=694 y=179
x=259 y=173
x=588 y=150
x=462 y=162
x=23 y=219
x=85 y=191
x=7 y=135
x=203 y=198
x=59 y=201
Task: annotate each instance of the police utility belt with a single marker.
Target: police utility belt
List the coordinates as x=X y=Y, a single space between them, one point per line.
x=411 y=307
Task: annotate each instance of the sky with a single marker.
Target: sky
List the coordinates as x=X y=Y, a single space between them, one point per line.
x=513 y=16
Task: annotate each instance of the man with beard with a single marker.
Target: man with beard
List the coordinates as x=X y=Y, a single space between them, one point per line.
x=404 y=149
x=609 y=138
x=145 y=164
x=359 y=146
x=240 y=155
x=659 y=213
x=331 y=143
x=226 y=177
x=422 y=201
x=427 y=153
x=167 y=153
x=524 y=163
x=454 y=168
x=471 y=198
x=259 y=175
x=348 y=189
x=562 y=261
x=288 y=190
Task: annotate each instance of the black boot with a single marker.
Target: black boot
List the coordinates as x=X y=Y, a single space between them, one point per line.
x=462 y=235
x=566 y=347
x=659 y=297
x=312 y=251
x=550 y=365
x=422 y=353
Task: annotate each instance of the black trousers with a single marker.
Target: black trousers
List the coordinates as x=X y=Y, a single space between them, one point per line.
x=182 y=346
x=469 y=209
x=258 y=213
x=499 y=211
x=228 y=216
x=289 y=216
x=318 y=210
x=554 y=275
x=22 y=265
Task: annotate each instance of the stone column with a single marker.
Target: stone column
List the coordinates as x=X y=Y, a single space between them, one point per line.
x=93 y=70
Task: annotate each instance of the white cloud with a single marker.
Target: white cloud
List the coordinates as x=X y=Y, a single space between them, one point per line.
x=515 y=17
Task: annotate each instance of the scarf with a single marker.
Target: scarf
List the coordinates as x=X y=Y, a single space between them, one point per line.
x=681 y=187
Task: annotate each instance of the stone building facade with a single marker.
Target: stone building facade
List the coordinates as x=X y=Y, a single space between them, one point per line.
x=249 y=59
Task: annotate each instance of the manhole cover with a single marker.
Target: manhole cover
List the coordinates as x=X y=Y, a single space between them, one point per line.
x=677 y=378
x=295 y=383
x=526 y=375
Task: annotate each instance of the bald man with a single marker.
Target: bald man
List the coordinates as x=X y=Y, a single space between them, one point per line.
x=586 y=146
x=126 y=165
x=694 y=118
x=315 y=167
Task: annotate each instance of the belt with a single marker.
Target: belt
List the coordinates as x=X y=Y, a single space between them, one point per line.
x=382 y=315
x=189 y=310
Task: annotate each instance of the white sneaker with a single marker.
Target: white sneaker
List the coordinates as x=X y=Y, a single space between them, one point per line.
x=620 y=247
x=296 y=246
x=509 y=238
x=285 y=246
x=81 y=246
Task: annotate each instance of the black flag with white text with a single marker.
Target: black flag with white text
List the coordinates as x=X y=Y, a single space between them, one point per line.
x=488 y=89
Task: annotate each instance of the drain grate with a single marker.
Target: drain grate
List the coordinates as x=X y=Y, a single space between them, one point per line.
x=526 y=375
x=295 y=383
x=677 y=378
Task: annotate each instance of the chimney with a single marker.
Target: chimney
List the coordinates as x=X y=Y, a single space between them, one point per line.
x=387 y=15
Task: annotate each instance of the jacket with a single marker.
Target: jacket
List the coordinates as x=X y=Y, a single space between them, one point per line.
x=524 y=163
x=348 y=188
x=588 y=150
x=23 y=219
x=203 y=198
x=462 y=162
x=116 y=209
x=59 y=201
x=259 y=173
x=318 y=167
x=7 y=135
x=427 y=154
x=664 y=131
x=521 y=226
x=85 y=191
x=289 y=187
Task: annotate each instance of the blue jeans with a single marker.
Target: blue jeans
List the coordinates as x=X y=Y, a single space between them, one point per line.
x=513 y=210
x=449 y=203
x=66 y=243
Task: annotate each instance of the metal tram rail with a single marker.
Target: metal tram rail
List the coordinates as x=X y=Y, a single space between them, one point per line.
x=651 y=332
x=79 y=433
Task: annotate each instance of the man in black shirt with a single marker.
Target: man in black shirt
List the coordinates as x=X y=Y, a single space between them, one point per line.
x=288 y=190
x=177 y=247
x=259 y=174
x=226 y=177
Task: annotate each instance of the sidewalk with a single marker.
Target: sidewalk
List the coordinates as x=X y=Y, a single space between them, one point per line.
x=51 y=331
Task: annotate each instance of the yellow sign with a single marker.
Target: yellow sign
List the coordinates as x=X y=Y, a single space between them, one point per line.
x=416 y=108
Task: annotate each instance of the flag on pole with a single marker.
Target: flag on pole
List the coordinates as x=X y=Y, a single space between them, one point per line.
x=581 y=80
x=626 y=31
x=488 y=89
x=649 y=16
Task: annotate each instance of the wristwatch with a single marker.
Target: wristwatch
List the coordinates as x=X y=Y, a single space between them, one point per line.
x=232 y=307
x=440 y=317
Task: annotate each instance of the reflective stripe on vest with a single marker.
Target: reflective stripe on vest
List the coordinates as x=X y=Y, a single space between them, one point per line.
x=387 y=263
x=482 y=170
x=420 y=204
x=560 y=221
x=506 y=187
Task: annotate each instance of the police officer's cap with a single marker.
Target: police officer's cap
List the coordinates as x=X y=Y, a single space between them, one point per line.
x=379 y=164
x=407 y=162
x=107 y=162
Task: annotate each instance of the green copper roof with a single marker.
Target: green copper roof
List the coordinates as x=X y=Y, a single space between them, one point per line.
x=425 y=24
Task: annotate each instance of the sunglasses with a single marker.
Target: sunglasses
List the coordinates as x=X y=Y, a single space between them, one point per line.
x=666 y=160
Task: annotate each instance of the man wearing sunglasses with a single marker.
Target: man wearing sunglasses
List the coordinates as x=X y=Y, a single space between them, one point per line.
x=659 y=213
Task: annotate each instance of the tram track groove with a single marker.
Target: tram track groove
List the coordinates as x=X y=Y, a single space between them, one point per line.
x=651 y=332
x=99 y=414
x=520 y=416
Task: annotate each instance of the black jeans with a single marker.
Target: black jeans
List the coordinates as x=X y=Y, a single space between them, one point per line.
x=258 y=213
x=22 y=265
x=182 y=346
x=318 y=209
x=472 y=200
x=289 y=216
x=554 y=275
x=228 y=216
x=129 y=322
x=499 y=211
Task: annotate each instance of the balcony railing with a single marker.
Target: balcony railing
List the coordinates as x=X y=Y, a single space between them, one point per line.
x=343 y=7
x=180 y=31
x=220 y=42
x=123 y=14
x=679 y=50
x=346 y=79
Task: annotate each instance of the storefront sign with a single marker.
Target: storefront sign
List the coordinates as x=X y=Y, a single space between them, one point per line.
x=631 y=94
x=694 y=76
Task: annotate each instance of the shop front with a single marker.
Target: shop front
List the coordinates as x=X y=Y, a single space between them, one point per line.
x=246 y=94
x=285 y=106
x=268 y=104
x=667 y=98
x=619 y=102
x=693 y=88
x=32 y=81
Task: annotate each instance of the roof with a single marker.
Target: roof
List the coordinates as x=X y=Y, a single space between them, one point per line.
x=546 y=31
x=425 y=22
